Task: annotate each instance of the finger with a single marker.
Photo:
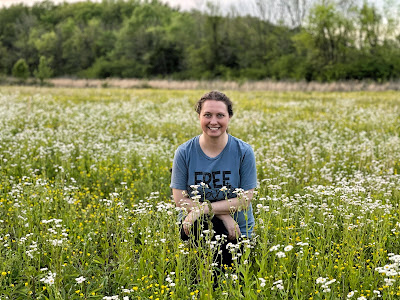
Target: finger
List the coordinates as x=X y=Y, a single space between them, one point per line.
x=232 y=234
x=229 y=233
x=186 y=228
x=187 y=231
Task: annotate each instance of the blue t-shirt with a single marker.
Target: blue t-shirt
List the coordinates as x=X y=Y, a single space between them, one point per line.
x=234 y=168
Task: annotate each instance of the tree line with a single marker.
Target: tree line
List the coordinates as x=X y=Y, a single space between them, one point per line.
x=324 y=41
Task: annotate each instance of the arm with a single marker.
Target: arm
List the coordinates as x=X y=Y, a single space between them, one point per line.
x=229 y=206
x=183 y=201
x=232 y=205
x=230 y=225
x=222 y=209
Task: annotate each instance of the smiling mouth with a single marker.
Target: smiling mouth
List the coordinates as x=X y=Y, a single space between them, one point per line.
x=214 y=128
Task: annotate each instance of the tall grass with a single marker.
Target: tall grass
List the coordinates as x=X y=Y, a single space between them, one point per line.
x=85 y=209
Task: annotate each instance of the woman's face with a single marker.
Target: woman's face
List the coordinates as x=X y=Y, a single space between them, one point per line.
x=214 y=118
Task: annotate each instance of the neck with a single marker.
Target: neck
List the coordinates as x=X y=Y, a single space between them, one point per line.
x=215 y=145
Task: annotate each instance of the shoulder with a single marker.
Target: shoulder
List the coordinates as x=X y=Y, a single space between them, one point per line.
x=187 y=147
x=244 y=151
x=241 y=146
x=189 y=144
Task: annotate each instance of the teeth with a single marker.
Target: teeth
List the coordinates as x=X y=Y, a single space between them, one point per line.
x=214 y=128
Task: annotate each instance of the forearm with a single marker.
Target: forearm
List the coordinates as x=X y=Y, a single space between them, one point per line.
x=222 y=207
x=223 y=217
x=229 y=206
x=230 y=225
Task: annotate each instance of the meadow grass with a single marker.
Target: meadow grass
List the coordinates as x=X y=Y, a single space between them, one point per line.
x=85 y=208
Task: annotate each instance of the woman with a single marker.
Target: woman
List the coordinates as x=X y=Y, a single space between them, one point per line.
x=214 y=175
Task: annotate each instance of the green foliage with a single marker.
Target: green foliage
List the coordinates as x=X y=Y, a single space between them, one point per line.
x=149 y=39
x=103 y=68
x=46 y=43
x=43 y=71
x=3 y=59
x=21 y=70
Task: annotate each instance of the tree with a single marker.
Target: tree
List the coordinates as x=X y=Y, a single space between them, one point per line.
x=43 y=71
x=142 y=46
x=370 y=27
x=69 y=43
x=45 y=42
x=282 y=39
x=296 y=9
x=21 y=70
x=4 y=57
x=23 y=48
x=333 y=33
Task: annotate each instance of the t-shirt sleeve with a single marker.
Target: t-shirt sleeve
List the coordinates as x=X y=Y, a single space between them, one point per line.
x=179 y=174
x=248 y=171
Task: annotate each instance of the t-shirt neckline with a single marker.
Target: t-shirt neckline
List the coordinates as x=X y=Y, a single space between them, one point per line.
x=205 y=155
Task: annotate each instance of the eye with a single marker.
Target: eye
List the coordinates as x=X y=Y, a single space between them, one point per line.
x=207 y=115
x=220 y=116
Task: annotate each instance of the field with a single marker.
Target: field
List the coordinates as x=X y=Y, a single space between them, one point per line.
x=85 y=209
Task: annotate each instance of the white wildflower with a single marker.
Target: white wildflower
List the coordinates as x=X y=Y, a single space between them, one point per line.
x=281 y=254
x=80 y=279
x=288 y=248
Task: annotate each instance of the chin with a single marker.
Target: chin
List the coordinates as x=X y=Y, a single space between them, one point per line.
x=215 y=134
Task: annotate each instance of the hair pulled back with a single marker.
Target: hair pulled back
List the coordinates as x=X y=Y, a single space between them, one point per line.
x=217 y=96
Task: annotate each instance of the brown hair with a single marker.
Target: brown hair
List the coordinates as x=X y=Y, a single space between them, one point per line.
x=218 y=96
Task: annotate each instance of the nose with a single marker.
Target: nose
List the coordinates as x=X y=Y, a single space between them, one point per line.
x=213 y=120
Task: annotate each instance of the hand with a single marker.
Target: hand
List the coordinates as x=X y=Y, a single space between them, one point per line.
x=231 y=225
x=192 y=216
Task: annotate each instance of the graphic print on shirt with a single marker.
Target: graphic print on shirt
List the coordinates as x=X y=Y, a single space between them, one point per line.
x=215 y=181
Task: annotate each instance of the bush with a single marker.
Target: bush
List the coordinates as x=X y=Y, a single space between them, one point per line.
x=103 y=68
x=21 y=69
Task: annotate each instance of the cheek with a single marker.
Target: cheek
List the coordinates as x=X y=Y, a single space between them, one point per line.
x=203 y=122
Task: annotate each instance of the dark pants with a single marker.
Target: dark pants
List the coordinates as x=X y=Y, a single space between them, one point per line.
x=225 y=258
